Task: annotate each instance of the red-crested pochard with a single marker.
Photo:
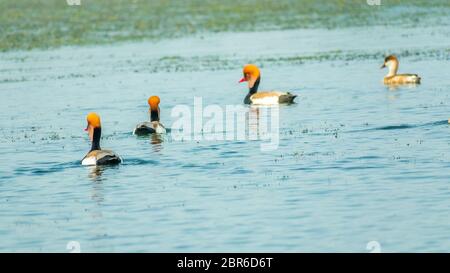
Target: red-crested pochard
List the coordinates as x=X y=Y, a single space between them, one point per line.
x=154 y=125
x=252 y=75
x=97 y=156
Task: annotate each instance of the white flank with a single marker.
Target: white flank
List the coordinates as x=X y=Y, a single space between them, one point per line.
x=269 y=100
x=89 y=161
x=160 y=129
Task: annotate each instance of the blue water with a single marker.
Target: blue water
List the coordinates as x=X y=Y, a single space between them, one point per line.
x=357 y=162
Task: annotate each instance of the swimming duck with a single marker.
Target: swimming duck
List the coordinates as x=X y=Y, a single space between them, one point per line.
x=252 y=75
x=393 y=78
x=97 y=156
x=152 y=126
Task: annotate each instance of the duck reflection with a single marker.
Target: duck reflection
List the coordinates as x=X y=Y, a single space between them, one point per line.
x=95 y=173
x=395 y=87
x=263 y=124
x=262 y=120
x=156 y=140
x=253 y=122
x=97 y=193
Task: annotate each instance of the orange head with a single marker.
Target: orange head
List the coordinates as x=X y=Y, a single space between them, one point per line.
x=93 y=124
x=93 y=120
x=251 y=74
x=153 y=101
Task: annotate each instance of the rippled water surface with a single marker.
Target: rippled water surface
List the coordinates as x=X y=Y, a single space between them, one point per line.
x=356 y=161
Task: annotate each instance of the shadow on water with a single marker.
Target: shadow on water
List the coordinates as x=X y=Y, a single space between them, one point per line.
x=51 y=167
x=380 y=128
x=95 y=172
x=402 y=126
x=138 y=161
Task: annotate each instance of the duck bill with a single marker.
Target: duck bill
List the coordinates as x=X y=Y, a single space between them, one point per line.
x=242 y=80
x=383 y=66
x=90 y=131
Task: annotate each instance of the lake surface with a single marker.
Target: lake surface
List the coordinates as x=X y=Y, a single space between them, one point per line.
x=356 y=162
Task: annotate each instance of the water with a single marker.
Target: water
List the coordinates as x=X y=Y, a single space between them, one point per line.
x=356 y=162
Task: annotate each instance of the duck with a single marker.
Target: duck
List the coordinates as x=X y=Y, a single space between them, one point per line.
x=252 y=75
x=154 y=125
x=392 y=77
x=97 y=156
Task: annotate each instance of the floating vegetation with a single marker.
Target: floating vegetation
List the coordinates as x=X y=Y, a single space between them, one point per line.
x=27 y=24
x=215 y=62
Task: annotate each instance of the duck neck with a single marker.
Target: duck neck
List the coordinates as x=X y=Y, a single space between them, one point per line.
x=254 y=88
x=154 y=114
x=393 y=68
x=96 y=139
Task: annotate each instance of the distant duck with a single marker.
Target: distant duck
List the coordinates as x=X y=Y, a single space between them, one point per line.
x=252 y=75
x=154 y=125
x=393 y=78
x=96 y=155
